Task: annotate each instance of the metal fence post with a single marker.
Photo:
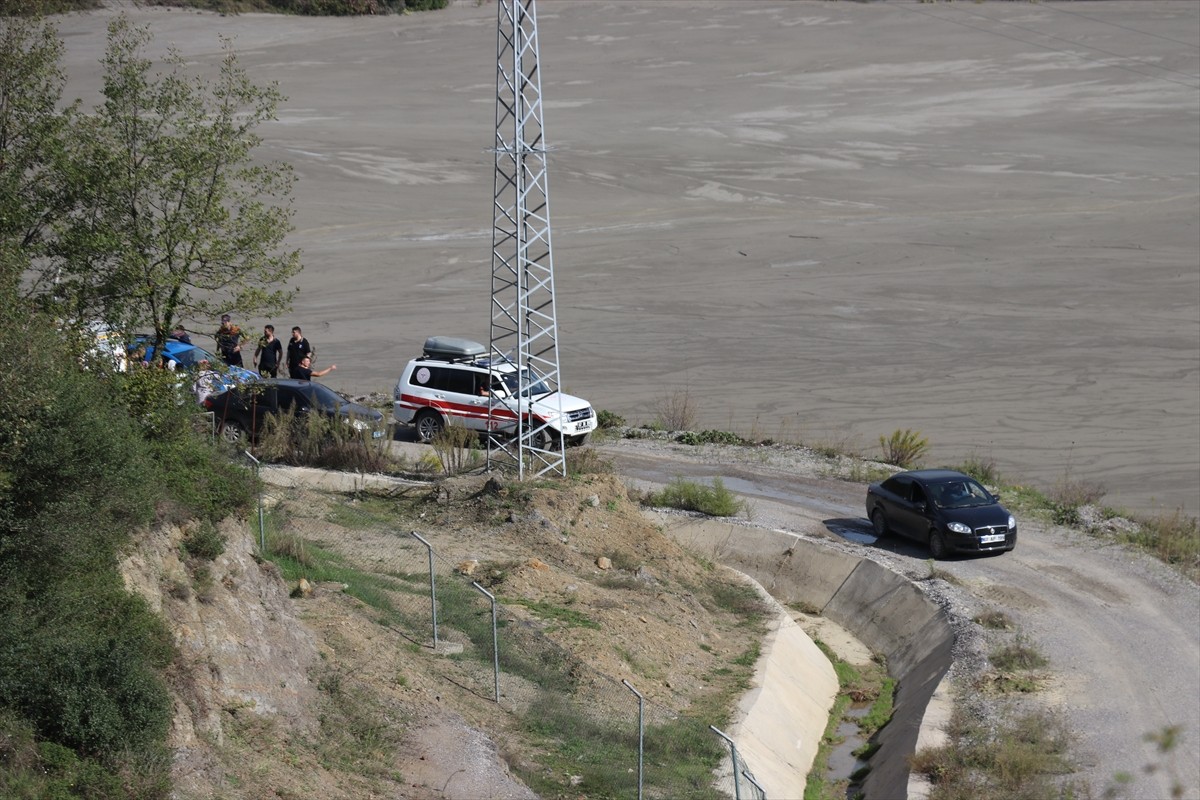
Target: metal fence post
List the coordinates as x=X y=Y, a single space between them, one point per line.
x=759 y=792
x=262 y=528
x=737 y=784
x=495 y=639
x=432 y=586
x=641 y=732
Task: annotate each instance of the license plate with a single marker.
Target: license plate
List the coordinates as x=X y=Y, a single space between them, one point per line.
x=991 y=539
x=376 y=434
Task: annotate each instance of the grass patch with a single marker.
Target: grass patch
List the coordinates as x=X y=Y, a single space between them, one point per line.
x=1172 y=538
x=714 y=500
x=1018 y=656
x=567 y=617
x=1022 y=757
x=995 y=620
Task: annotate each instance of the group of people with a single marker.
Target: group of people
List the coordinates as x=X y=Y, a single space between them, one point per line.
x=269 y=352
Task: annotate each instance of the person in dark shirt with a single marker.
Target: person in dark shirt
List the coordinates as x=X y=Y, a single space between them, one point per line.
x=229 y=341
x=297 y=349
x=305 y=372
x=180 y=334
x=269 y=353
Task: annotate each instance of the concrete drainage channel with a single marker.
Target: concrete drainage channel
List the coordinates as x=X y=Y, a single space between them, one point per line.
x=882 y=609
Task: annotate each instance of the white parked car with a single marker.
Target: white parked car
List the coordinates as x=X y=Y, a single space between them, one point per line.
x=455 y=381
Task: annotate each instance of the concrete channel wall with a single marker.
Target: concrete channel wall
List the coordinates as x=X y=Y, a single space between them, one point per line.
x=884 y=610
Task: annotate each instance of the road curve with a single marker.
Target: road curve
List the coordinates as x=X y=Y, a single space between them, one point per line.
x=1121 y=631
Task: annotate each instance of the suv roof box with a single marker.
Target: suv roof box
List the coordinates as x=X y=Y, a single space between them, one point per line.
x=449 y=348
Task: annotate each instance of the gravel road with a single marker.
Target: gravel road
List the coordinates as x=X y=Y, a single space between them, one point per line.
x=1121 y=631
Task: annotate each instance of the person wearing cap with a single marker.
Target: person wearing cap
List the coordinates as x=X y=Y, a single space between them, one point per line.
x=229 y=341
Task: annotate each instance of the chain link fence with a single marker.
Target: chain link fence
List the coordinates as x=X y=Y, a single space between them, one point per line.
x=437 y=597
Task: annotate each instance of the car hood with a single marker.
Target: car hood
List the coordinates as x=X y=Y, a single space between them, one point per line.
x=360 y=412
x=549 y=405
x=977 y=516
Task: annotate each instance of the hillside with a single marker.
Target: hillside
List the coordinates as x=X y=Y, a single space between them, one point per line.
x=287 y=693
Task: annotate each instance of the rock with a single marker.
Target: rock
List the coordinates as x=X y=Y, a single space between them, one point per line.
x=603 y=562
x=594 y=501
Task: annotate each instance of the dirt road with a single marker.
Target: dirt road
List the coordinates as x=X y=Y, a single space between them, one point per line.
x=1121 y=631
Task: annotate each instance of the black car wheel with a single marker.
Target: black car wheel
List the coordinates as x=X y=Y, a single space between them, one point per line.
x=937 y=545
x=429 y=424
x=879 y=523
x=232 y=432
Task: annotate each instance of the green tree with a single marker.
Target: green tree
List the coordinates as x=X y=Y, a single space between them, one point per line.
x=173 y=217
x=31 y=141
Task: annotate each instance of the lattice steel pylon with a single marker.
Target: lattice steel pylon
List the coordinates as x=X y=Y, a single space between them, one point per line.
x=524 y=328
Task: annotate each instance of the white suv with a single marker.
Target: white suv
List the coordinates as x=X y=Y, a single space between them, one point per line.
x=455 y=381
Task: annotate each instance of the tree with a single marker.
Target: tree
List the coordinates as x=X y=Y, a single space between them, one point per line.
x=173 y=218
x=31 y=140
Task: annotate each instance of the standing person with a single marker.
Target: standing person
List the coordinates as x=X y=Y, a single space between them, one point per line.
x=208 y=382
x=304 y=370
x=298 y=348
x=269 y=353
x=229 y=341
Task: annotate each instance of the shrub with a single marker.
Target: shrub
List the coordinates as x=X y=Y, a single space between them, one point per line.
x=677 y=411
x=1173 y=538
x=981 y=469
x=904 y=448
x=714 y=500
x=314 y=440
x=709 y=437
x=204 y=541
x=607 y=420
x=1067 y=496
x=457 y=448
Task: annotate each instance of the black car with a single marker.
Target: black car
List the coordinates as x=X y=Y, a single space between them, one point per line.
x=945 y=509
x=243 y=409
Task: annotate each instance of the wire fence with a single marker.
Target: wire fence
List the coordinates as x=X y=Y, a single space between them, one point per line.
x=437 y=595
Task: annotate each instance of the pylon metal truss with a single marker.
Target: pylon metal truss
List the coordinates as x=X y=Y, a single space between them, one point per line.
x=524 y=329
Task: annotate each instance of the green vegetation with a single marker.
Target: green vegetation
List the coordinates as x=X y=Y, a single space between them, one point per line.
x=856 y=685
x=142 y=221
x=324 y=8
x=204 y=541
x=714 y=500
x=1021 y=757
x=566 y=617
x=457 y=448
x=904 y=448
x=709 y=437
x=1172 y=537
x=607 y=420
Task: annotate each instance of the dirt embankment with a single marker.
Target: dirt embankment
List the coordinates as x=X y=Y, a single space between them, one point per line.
x=272 y=689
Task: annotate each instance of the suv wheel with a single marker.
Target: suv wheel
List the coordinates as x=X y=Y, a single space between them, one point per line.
x=429 y=424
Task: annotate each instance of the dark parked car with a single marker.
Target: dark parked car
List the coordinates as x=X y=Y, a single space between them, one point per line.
x=947 y=510
x=242 y=410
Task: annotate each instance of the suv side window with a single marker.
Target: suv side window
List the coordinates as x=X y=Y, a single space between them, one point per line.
x=444 y=379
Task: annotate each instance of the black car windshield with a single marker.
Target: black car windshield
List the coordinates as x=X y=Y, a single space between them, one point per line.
x=324 y=398
x=960 y=493
x=533 y=384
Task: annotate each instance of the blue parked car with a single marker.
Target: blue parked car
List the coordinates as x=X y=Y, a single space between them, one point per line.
x=189 y=356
